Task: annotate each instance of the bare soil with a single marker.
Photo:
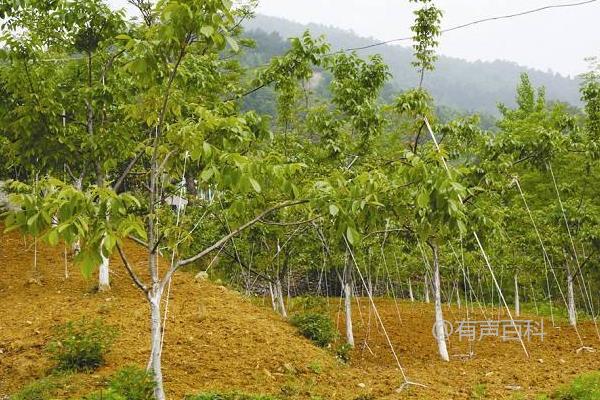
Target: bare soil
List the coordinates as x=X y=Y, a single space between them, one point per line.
x=217 y=340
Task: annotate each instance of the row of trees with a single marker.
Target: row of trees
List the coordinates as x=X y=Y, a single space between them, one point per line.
x=109 y=125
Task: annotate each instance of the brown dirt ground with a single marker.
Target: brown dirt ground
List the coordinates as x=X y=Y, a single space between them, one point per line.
x=218 y=340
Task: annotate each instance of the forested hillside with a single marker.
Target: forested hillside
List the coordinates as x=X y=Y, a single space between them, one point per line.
x=458 y=84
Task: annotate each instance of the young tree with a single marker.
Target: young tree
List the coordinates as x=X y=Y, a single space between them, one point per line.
x=180 y=104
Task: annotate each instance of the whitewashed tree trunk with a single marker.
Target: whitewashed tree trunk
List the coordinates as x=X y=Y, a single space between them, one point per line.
x=76 y=246
x=426 y=288
x=571 y=299
x=280 y=302
x=410 y=291
x=103 y=271
x=156 y=339
x=271 y=291
x=458 y=299
x=517 y=300
x=347 y=283
x=439 y=315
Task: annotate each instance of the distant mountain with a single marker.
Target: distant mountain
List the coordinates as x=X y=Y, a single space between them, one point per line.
x=458 y=84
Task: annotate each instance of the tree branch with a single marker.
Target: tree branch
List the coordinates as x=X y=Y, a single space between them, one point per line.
x=232 y=234
x=307 y=221
x=130 y=271
x=121 y=179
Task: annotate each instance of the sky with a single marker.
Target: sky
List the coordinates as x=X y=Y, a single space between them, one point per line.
x=558 y=39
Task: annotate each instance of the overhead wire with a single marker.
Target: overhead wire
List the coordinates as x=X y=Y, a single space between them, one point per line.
x=476 y=22
x=401 y=39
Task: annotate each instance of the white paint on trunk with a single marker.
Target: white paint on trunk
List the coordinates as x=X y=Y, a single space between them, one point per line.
x=458 y=299
x=272 y=297
x=571 y=300
x=155 y=352
x=103 y=272
x=280 y=302
x=347 y=277
x=517 y=302
x=439 y=315
x=410 y=290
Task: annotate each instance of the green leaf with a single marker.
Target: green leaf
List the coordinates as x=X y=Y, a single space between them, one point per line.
x=352 y=235
x=207 y=174
x=53 y=237
x=333 y=210
x=109 y=243
x=422 y=199
x=32 y=219
x=207 y=30
x=255 y=185
x=233 y=43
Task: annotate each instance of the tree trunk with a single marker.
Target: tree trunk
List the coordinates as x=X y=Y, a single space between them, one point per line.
x=272 y=292
x=347 y=282
x=156 y=339
x=76 y=246
x=517 y=302
x=439 y=316
x=280 y=302
x=458 y=299
x=103 y=273
x=410 y=291
x=426 y=288
x=190 y=185
x=571 y=299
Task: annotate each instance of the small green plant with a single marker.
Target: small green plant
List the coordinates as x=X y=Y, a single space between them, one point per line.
x=342 y=352
x=228 y=396
x=315 y=367
x=133 y=383
x=81 y=345
x=40 y=389
x=104 y=395
x=584 y=387
x=479 y=391
x=317 y=327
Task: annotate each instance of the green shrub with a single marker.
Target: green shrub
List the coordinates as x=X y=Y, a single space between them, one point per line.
x=317 y=327
x=342 y=352
x=133 y=383
x=40 y=389
x=228 y=396
x=81 y=345
x=584 y=387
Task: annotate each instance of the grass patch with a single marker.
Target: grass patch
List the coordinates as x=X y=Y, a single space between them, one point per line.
x=42 y=388
x=584 y=387
x=479 y=391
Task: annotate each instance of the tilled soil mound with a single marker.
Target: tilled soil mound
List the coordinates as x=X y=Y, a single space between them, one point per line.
x=216 y=340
